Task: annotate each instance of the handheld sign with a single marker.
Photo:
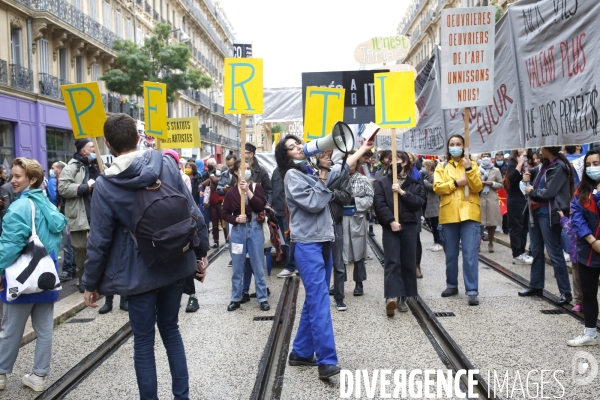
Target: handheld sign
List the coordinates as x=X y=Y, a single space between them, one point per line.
x=395 y=100
x=183 y=133
x=243 y=86
x=324 y=107
x=155 y=103
x=380 y=50
x=85 y=109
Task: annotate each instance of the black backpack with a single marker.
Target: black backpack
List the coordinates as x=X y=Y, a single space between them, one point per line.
x=163 y=228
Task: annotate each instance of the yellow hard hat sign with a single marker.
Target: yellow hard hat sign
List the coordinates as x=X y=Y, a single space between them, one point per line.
x=85 y=108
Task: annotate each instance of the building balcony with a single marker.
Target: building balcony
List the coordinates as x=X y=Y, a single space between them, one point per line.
x=21 y=78
x=66 y=12
x=3 y=72
x=156 y=16
x=114 y=104
x=202 y=21
x=50 y=85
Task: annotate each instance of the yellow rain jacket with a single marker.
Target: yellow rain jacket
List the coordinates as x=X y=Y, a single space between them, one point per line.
x=453 y=206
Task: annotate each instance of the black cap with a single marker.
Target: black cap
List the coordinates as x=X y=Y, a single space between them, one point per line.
x=80 y=144
x=250 y=147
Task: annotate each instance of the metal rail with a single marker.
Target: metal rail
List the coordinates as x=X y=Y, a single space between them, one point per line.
x=269 y=379
x=82 y=369
x=449 y=352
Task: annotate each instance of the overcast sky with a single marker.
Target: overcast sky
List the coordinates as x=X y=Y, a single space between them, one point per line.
x=295 y=36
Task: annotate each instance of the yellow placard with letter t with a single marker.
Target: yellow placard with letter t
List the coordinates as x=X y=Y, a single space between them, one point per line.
x=324 y=107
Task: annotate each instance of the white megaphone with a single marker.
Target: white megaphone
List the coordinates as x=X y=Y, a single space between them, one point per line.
x=341 y=138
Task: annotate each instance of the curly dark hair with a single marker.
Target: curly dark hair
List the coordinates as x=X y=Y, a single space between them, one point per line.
x=284 y=163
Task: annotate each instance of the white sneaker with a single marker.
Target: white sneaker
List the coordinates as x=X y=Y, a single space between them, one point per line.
x=583 y=340
x=37 y=383
x=437 y=247
x=567 y=256
x=2 y=381
x=286 y=274
x=522 y=259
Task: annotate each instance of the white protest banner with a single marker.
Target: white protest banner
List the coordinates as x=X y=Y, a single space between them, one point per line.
x=556 y=47
x=467 y=56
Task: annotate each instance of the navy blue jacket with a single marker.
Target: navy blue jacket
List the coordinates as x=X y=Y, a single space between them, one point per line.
x=114 y=264
x=585 y=221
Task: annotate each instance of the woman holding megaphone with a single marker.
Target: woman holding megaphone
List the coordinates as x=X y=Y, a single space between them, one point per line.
x=311 y=233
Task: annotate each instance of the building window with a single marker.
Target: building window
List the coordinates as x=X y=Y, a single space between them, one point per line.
x=79 y=68
x=95 y=72
x=60 y=145
x=140 y=40
x=63 y=67
x=16 y=47
x=77 y=4
x=94 y=9
x=118 y=23
x=107 y=23
x=7 y=145
x=128 y=28
x=44 y=56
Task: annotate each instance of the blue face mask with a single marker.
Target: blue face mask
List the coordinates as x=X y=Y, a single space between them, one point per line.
x=248 y=174
x=52 y=174
x=92 y=156
x=423 y=170
x=455 y=151
x=499 y=162
x=300 y=162
x=593 y=173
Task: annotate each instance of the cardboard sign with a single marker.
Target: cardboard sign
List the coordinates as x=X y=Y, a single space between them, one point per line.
x=379 y=50
x=243 y=86
x=85 y=109
x=395 y=100
x=324 y=107
x=468 y=36
x=359 y=103
x=155 y=103
x=183 y=133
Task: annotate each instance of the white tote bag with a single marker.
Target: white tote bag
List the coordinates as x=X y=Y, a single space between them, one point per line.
x=34 y=271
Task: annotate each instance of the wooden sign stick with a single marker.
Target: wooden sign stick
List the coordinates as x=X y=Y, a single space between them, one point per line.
x=395 y=173
x=467 y=117
x=100 y=163
x=243 y=164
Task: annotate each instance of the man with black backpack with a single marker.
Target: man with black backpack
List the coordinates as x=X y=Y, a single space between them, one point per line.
x=147 y=237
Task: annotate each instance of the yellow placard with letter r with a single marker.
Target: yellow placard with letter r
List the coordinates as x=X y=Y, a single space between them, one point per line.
x=155 y=107
x=85 y=109
x=324 y=107
x=395 y=100
x=183 y=133
x=243 y=86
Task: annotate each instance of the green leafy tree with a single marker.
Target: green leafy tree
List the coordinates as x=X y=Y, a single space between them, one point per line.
x=499 y=11
x=155 y=61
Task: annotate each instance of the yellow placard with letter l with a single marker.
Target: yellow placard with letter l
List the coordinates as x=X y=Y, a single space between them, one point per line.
x=155 y=105
x=85 y=108
x=395 y=100
x=183 y=133
x=324 y=107
x=243 y=86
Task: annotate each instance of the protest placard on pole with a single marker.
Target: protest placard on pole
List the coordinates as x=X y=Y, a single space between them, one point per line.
x=155 y=115
x=381 y=50
x=183 y=133
x=324 y=107
x=468 y=37
x=243 y=94
x=395 y=108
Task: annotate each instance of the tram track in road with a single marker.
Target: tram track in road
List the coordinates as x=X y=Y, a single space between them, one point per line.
x=269 y=379
x=449 y=352
x=70 y=380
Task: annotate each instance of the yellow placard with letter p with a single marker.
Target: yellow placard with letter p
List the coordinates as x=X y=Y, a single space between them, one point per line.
x=183 y=133
x=324 y=107
x=85 y=109
x=243 y=86
x=395 y=100
x=155 y=105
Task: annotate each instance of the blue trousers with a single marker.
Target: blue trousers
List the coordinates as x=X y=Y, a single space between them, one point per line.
x=541 y=235
x=315 y=330
x=251 y=238
x=468 y=234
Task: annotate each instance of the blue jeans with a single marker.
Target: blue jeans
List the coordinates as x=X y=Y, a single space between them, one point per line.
x=315 y=330
x=541 y=235
x=251 y=238
x=565 y=241
x=468 y=234
x=282 y=224
x=68 y=264
x=158 y=307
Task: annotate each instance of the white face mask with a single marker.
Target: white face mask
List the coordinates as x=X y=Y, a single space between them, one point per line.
x=248 y=174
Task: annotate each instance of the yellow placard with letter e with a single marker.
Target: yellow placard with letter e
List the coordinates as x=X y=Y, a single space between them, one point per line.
x=324 y=107
x=183 y=133
x=395 y=100
x=155 y=109
x=85 y=108
x=243 y=86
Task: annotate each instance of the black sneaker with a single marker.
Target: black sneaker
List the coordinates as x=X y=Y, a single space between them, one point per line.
x=253 y=295
x=245 y=298
x=234 y=305
x=106 y=308
x=65 y=276
x=327 y=371
x=230 y=263
x=295 y=360
x=358 y=290
x=450 y=292
x=340 y=305
x=264 y=306
x=215 y=246
x=192 y=305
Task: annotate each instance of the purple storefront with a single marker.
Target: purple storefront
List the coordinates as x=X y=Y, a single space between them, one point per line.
x=35 y=130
